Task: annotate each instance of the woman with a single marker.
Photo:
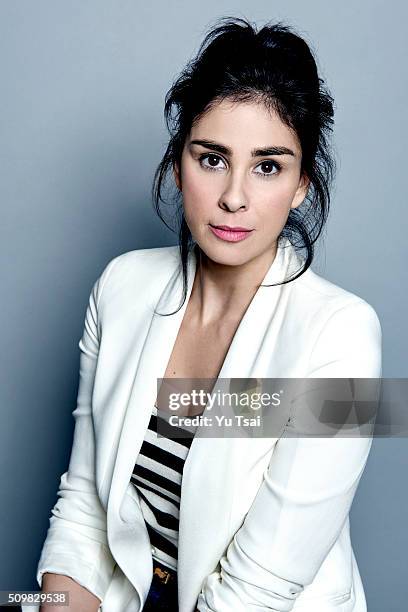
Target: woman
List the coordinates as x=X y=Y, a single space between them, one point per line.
x=155 y=523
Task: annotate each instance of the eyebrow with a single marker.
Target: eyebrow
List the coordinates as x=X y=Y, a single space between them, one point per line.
x=210 y=144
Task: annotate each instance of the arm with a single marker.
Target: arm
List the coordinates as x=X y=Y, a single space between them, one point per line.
x=79 y=597
x=307 y=491
x=76 y=544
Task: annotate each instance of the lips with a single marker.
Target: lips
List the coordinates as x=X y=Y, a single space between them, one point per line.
x=230 y=234
x=232 y=229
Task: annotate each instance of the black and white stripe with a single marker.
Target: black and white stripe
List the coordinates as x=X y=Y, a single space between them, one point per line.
x=157 y=476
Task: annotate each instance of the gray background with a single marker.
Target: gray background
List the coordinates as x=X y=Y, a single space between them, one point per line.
x=82 y=93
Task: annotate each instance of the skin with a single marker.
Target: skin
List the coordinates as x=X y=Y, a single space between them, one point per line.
x=242 y=190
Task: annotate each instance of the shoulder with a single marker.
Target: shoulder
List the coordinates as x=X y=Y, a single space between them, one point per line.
x=145 y=260
x=321 y=290
x=347 y=327
x=325 y=299
x=137 y=270
x=314 y=299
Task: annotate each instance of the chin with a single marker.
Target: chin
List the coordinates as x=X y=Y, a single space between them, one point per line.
x=223 y=257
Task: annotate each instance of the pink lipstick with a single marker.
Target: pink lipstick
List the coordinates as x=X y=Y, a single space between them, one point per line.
x=230 y=234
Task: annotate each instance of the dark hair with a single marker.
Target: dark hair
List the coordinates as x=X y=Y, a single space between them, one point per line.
x=274 y=66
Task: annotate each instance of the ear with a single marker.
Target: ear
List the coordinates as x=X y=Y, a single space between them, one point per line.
x=301 y=191
x=176 y=172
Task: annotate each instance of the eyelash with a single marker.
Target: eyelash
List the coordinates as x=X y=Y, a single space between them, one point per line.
x=264 y=176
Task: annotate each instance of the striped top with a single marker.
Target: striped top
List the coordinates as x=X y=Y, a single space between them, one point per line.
x=157 y=476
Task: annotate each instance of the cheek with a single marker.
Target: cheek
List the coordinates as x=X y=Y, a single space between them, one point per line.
x=279 y=196
x=274 y=204
x=199 y=194
x=197 y=186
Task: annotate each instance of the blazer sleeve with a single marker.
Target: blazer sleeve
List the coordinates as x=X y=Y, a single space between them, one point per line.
x=307 y=488
x=76 y=541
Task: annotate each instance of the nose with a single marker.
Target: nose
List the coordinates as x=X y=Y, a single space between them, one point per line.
x=233 y=198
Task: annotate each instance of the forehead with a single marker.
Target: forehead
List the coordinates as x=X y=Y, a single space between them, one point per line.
x=244 y=125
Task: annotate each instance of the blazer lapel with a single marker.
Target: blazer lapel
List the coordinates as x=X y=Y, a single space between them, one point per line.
x=152 y=364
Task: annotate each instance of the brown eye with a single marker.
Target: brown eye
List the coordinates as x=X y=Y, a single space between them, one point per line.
x=213 y=161
x=267 y=166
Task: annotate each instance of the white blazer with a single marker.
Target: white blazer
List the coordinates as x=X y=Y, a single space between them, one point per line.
x=251 y=538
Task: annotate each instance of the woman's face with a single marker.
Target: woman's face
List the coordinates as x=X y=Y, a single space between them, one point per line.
x=226 y=179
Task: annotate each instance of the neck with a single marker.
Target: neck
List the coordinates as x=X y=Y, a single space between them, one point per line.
x=223 y=292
